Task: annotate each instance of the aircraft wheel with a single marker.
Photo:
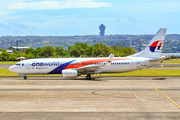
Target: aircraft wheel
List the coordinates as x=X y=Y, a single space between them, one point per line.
x=88 y=77
x=25 y=77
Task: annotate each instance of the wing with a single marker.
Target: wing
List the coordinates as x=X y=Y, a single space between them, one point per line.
x=95 y=67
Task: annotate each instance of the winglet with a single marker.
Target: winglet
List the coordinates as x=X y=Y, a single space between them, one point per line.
x=111 y=56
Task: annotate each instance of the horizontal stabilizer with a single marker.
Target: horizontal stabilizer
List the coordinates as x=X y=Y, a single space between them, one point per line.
x=159 y=59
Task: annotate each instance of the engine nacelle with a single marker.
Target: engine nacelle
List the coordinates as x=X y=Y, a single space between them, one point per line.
x=69 y=73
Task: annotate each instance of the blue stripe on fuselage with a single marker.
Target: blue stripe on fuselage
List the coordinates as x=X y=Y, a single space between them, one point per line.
x=59 y=69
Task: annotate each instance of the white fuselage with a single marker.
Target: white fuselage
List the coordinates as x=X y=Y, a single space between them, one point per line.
x=56 y=65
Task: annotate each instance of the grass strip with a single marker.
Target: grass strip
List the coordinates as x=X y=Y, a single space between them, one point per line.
x=8 y=62
x=148 y=72
x=171 y=61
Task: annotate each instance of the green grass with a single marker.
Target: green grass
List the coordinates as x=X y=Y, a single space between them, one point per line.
x=6 y=72
x=148 y=72
x=171 y=61
x=145 y=72
x=8 y=62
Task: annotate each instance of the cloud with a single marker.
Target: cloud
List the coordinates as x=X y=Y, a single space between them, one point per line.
x=132 y=20
x=13 y=28
x=4 y=13
x=150 y=8
x=41 y=5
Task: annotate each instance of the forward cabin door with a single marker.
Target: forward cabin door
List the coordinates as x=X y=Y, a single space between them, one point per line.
x=28 y=66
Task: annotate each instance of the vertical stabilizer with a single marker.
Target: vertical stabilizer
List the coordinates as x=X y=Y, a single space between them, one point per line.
x=155 y=46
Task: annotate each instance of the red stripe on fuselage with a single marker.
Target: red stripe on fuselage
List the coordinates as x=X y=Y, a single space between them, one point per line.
x=95 y=61
x=85 y=63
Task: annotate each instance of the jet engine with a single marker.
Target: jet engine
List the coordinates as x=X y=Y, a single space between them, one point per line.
x=69 y=73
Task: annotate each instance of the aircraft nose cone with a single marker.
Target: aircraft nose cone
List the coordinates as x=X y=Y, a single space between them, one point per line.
x=12 y=68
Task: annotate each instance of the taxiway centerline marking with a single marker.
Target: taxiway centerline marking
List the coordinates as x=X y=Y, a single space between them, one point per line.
x=39 y=91
x=167 y=97
x=2 y=114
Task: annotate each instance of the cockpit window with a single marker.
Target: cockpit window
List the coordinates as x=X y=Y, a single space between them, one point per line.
x=18 y=64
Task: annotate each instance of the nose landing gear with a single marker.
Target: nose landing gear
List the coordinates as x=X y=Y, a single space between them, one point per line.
x=88 y=77
x=25 y=77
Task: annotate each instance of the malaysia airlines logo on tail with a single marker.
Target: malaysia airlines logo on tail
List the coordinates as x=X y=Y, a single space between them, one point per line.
x=156 y=46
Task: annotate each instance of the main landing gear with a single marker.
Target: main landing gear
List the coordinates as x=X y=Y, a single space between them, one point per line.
x=25 y=77
x=88 y=77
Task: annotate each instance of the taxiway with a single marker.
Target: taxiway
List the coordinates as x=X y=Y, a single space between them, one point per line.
x=44 y=98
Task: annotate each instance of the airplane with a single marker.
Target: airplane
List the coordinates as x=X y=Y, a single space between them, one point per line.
x=74 y=67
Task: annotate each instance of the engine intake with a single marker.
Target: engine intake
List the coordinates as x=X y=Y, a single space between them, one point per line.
x=69 y=73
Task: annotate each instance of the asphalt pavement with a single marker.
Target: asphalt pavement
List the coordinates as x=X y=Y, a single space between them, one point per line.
x=104 y=98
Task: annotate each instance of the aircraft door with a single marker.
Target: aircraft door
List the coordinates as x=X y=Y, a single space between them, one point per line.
x=28 y=66
x=138 y=64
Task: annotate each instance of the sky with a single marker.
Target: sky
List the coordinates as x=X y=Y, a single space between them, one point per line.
x=83 y=17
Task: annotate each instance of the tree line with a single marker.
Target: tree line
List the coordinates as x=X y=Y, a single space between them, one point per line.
x=78 y=50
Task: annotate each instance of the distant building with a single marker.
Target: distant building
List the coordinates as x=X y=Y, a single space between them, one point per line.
x=45 y=41
x=18 y=48
x=144 y=45
x=77 y=37
x=102 y=29
x=10 y=51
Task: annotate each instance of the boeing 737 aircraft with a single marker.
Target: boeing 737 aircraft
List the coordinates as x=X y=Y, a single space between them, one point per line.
x=74 y=67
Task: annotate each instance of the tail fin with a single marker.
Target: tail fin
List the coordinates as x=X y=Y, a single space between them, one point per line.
x=155 y=46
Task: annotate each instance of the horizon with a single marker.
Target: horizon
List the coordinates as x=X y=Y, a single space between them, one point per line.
x=76 y=35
